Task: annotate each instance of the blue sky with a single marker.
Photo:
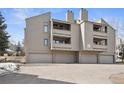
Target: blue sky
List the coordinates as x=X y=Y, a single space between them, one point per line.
x=15 y=18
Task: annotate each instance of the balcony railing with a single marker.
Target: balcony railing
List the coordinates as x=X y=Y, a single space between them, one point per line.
x=99 y=33
x=62 y=46
x=61 y=32
x=100 y=46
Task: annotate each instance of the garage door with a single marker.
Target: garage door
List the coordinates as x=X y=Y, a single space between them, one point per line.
x=64 y=58
x=88 y=59
x=44 y=58
x=105 y=59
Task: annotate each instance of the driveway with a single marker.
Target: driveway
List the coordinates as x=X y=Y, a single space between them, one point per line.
x=66 y=74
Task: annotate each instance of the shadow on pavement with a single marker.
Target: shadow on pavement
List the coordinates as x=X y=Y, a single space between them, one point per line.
x=17 y=78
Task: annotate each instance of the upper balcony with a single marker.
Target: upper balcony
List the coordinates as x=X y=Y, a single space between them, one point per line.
x=61 y=28
x=99 y=30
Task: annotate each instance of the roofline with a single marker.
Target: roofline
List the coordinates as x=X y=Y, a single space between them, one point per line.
x=37 y=15
x=61 y=21
x=108 y=24
x=99 y=23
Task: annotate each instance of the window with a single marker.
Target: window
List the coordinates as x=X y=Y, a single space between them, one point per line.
x=105 y=29
x=45 y=42
x=45 y=28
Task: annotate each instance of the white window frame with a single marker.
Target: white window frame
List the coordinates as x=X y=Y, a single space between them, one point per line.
x=45 y=28
x=45 y=42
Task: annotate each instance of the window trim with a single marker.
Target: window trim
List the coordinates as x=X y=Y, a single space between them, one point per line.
x=45 y=28
x=106 y=29
x=46 y=42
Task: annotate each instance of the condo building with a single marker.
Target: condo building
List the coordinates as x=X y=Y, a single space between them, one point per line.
x=49 y=40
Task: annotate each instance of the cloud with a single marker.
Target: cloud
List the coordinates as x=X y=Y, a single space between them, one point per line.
x=18 y=15
x=22 y=13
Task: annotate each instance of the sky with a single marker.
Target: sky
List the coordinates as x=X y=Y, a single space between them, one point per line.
x=15 y=18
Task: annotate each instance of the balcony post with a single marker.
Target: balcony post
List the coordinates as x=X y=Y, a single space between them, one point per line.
x=51 y=35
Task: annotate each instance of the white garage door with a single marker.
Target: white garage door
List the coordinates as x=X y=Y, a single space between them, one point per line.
x=105 y=59
x=44 y=58
x=88 y=59
x=64 y=58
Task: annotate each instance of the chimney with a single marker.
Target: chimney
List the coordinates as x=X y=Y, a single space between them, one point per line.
x=83 y=14
x=70 y=16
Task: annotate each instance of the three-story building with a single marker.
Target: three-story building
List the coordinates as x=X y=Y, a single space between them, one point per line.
x=49 y=40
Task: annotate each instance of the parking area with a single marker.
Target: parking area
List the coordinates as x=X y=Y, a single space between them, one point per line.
x=66 y=74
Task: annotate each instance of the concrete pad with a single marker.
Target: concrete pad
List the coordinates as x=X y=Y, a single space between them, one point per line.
x=66 y=73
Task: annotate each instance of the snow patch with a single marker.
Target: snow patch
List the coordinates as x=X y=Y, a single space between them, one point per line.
x=8 y=67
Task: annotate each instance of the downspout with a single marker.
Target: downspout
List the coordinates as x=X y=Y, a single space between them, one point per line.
x=97 y=58
x=51 y=38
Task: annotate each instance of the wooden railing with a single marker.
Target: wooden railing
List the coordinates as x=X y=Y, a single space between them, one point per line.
x=12 y=59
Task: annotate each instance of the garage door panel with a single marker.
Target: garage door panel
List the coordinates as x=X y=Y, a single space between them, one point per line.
x=64 y=58
x=40 y=58
x=105 y=59
x=88 y=59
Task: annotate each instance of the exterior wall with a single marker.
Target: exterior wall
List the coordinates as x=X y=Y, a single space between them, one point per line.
x=111 y=42
x=75 y=37
x=109 y=55
x=87 y=36
x=86 y=39
x=35 y=35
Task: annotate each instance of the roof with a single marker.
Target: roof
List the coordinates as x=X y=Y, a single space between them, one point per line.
x=38 y=15
x=62 y=21
x=101 y=21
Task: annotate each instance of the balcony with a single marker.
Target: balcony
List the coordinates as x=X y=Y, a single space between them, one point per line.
x=61 y=28
x=61 y=43
x=100 y=44
x=99 y=30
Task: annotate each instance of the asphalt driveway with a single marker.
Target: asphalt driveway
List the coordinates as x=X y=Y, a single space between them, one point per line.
x=66 y=74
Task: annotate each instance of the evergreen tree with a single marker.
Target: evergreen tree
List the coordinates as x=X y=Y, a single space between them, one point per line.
x=3 y=35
